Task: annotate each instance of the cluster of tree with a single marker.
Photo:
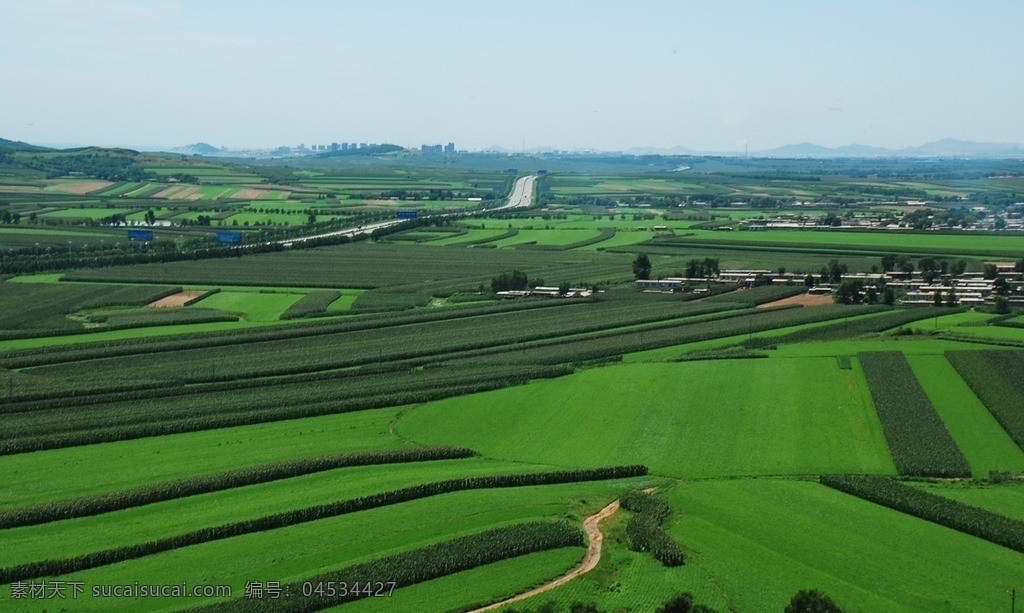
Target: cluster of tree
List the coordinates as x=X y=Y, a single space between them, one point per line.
x=106 y=164
x=509 y=281
x=8 y=217
x=708 y=267
x=200 y=220
x=856 y=291
x=183 y=178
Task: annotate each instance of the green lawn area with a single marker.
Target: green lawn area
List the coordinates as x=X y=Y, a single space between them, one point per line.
x=692 y=419
x=958 y=243
x=547 y=237
x=257 y=307
x=473 y=588
x=88 y=213
x=983 y=441
x=77 y=471
x=164 y=519
x=752 y=544
x=295 y=552
x=1006 y=498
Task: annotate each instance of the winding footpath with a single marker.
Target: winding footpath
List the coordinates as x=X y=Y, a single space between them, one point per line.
x=590 y=560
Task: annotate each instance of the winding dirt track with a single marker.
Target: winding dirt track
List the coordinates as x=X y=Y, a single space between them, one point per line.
x=588 y=564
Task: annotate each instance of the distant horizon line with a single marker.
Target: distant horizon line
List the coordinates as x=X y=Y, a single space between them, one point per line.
x=944 y=146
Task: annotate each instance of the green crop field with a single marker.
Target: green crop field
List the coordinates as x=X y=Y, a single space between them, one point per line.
x=300 y=441
x=784 y=420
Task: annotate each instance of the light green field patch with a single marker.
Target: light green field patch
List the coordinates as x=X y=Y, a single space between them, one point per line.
x=473 y=588
x=547 y=237
x=982 y=440
x=694 y=419
x=165 y=519
x=764 y=540
x=86 y=213
x=1005 y=499
x=304 y=550
x=251 y=306
x=77 y=471
x=620 y=239
x=909 y=346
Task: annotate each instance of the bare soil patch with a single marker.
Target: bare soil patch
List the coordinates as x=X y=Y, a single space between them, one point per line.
x=249 y=193
x=81 y=187
x=178 y=300
x=808 y=300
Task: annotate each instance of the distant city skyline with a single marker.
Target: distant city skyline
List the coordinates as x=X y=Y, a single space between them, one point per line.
x=723 y=76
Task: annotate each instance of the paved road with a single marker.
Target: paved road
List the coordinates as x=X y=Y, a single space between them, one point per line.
x=521 y=197
x=522 y=194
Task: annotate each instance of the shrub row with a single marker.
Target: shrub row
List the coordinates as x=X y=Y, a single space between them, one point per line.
x=206 y=416
x=202 y=484
x=133 y=347
x=411 y=567
x=972 y=520
x=298 y=516
x=491 y=239
x=605 y=234
x=385 y=344
x=144 y=318
x=645 y=532
x=852 y=327
x=131 y=295
x=313 y=303
x=996 y=378
x=918 y=440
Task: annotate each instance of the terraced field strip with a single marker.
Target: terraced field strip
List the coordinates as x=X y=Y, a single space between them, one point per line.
x=918 y=439
x=983 y=441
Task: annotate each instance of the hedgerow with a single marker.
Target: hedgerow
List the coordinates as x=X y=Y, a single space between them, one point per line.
x=313 y=303
x=645 y=532
x=972 y=520
x=129 y=420
x=409 y=567
x=202 y=484
x=850 y=328
x=298 y=516
x=918 y=440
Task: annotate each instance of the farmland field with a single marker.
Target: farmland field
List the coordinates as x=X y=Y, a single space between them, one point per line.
x=373 y=401
x=661 y=414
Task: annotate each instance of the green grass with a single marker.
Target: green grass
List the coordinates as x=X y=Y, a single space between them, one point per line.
x=471 y=588
x=801 y=416
x=1006 y=498
x=164 y=519
x=983 y=441
x=289 y=554
x=89 y=213
x=255 y=307
x=752 y=544
x=51 y=475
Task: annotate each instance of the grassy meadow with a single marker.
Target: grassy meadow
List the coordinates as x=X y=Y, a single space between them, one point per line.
x=200 y=444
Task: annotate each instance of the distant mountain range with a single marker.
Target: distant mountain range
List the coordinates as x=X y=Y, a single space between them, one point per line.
x=945 y=148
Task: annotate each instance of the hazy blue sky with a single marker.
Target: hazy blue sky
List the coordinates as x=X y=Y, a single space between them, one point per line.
x=709 y=75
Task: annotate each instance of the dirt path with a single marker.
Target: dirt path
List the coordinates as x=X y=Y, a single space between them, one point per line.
x=588 y=564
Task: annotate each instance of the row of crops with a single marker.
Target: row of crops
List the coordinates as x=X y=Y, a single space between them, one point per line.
x=972 y=520
x=86 y=506
x=918 y=440
x=274 y=521
x=409 y=568
x=997 y=378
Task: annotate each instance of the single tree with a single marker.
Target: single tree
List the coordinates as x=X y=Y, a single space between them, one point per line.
x=812 y=601
x=642 y=267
